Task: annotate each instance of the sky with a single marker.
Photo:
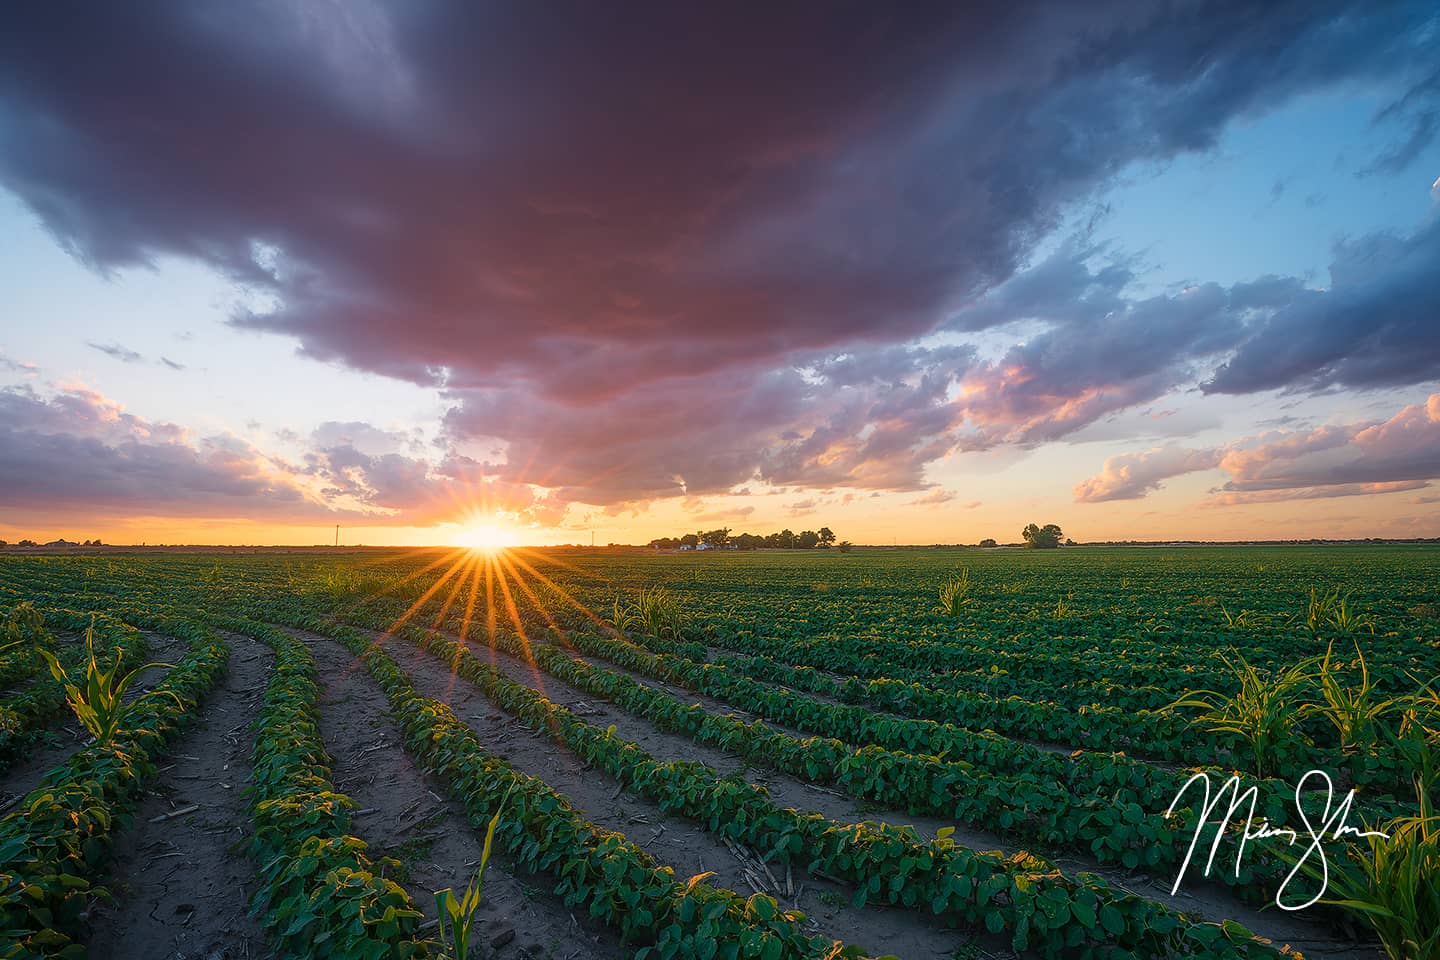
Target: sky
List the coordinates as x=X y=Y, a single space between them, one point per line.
x=921 y=273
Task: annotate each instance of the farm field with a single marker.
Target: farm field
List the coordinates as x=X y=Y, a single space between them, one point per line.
x=919 y=753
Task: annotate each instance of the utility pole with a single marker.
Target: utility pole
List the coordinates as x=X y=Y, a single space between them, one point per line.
x=592 y=538
x=337 y=534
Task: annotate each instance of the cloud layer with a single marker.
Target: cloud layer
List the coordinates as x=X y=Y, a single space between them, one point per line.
x=1361 y=459
x=668 y=253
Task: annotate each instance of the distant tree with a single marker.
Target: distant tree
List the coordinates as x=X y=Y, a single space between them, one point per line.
x=26 y=543
x=987 y=542
x=716 y=538
x=665 y=543
x=689 y=540
x=787 y=539
x=3 y=544
x=749 y=541
x=827 y=536
x=1047 y=537
x=844 y=546
x=1069 y=542
x=807 y=540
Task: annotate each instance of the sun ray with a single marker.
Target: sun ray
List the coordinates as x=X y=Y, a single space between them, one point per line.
x=514 y=612
x=589 y=614
x=425 y=597
x=534 y=598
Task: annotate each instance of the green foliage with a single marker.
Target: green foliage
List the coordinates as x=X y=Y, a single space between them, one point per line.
x=1347 y=620
x=1353 y=709
x=955 y=593
x=1391 y=879
x=97 y=695
x=895 y=710
x=1263 y=713
x=654 y=611
x=1244 y=620
x=457 y=916
x=1317 y=611
x=53 y=845
x=1037 y=537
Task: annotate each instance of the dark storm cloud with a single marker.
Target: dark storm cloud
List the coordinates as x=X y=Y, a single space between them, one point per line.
x=1377 y=325
x=1100 y=351
x=638 y=247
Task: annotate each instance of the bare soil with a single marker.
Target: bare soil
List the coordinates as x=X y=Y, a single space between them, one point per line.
x=1204 y=900
x=179 y=874
x=67 y=735
x=673 y=840
x=403 y=814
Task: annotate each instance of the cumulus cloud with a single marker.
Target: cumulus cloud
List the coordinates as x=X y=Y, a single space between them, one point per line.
x=1131 y=476
x=640 y=298
x=1374 y=326
x=1338 y=460
x=1402 y=449
x=78 y=450
x=75 y=449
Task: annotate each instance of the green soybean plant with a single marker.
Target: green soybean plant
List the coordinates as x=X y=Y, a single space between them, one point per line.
x=457 y=916
x=97 y=696
x=1263 y=712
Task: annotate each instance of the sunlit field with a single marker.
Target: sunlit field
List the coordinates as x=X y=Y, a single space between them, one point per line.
x=914 y=752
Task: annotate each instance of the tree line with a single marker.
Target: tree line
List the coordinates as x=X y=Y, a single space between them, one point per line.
x=721 y=539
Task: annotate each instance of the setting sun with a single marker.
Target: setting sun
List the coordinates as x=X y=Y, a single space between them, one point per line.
x=486 y=536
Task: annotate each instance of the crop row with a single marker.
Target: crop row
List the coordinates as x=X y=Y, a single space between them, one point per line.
x=51 y=846
x=319 y=894
x=1029 y=899
x=1162 y=734
x=619 y=883
x=1026 y=805
x=25 y=712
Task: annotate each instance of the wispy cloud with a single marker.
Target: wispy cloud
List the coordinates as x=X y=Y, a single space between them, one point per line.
x=115 y=350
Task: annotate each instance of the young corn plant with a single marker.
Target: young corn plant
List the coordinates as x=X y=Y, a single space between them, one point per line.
x=955 y=593
x=1263 y=713
x=97 y=695
x=1244 y=620
x=1318 y=609
x=1352 y=708
x=1347 y=620
x=457 y=916
x=654 y=612
x=1391 y=879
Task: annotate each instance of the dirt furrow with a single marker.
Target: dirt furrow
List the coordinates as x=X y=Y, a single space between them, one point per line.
x=403 y=814
x=1207 y=900
x=66 y=735
x=786 y=790
x=179 y=874
x=686 y=846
